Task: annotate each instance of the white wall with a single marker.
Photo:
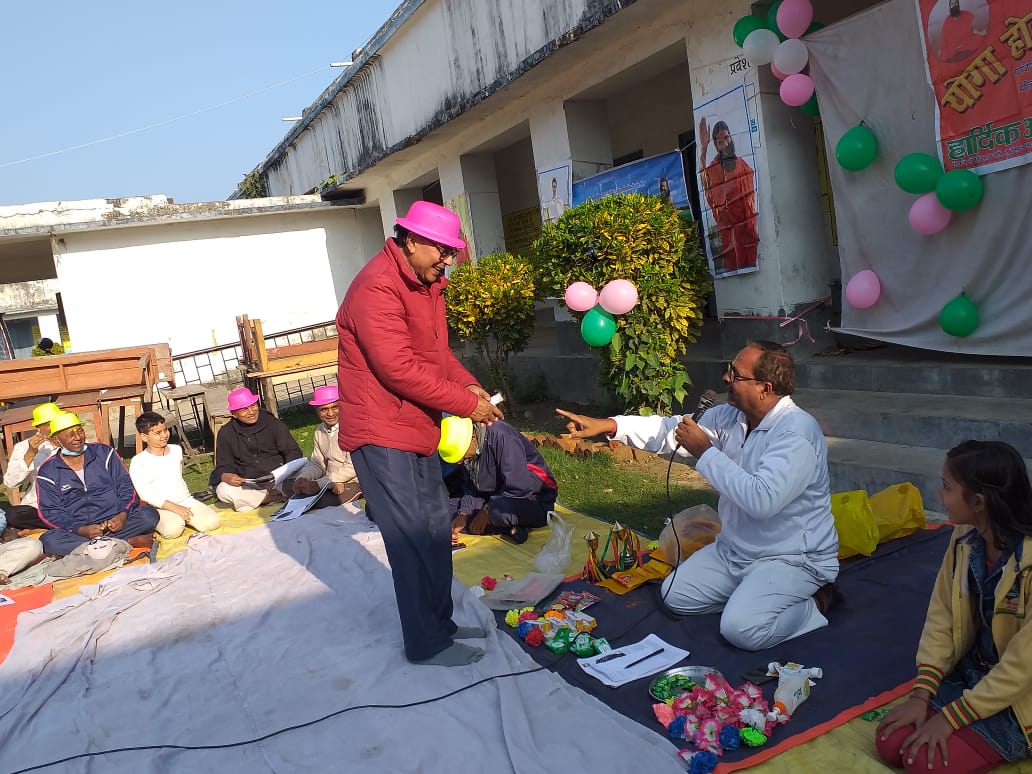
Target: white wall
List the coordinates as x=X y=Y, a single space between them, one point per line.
x=185 y=283
x=794 y=266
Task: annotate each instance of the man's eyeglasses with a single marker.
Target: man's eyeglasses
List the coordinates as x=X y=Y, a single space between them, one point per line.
x=446 y=252
x=734 y=376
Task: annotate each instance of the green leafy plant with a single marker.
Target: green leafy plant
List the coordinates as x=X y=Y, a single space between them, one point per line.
x=490 y=304
x=252 y=186
x=640 y=239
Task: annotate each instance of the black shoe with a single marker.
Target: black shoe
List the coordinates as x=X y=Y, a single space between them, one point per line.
x=9 y=534
x=518 y=535
x=826 y=596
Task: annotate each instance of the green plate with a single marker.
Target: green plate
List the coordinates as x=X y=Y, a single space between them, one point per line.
x=694 y=673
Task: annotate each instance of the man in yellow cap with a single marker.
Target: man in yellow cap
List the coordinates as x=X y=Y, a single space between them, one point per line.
x=20 y=477
x=502 y=483
x=85 y=491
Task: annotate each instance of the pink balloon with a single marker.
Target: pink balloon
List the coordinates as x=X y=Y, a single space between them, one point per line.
x=581 y=297
x=618 y=296
x=927 y=216
x=863 y=290
x=777 y=73
x=795 y=17
x=796 y=89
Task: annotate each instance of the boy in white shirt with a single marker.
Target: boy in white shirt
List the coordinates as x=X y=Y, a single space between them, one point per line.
x=157 y=474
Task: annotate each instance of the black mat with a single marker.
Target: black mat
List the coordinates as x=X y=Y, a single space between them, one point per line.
x=868 y=648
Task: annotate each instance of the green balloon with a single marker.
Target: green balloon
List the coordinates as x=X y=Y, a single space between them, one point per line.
x=959 y=189
x=772 y=20
x=814 y=26
x=856 y=149
x=745 y=25
x=810 y=107
x=918 y=173
x=959 y=317
x=597 y=327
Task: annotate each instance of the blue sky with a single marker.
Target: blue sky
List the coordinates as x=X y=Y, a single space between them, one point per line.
x=76 y=72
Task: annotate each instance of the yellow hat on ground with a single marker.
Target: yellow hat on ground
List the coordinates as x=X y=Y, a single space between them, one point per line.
x=44 y=412
x=456 y=434
x=63 y=421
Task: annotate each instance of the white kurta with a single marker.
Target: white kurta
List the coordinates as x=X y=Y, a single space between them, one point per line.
x=778 y=543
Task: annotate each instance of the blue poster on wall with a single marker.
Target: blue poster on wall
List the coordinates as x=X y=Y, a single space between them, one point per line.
x=661 y=175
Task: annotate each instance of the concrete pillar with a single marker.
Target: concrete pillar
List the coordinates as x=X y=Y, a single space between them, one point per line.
x=485 y=210
x=587 y=124
x=548 y=135
x=48 y=327
x=396 y=205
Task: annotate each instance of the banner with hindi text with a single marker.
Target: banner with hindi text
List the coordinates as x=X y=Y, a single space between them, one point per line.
x=978 y=56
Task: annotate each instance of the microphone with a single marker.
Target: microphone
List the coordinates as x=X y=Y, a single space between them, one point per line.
x=707 y=401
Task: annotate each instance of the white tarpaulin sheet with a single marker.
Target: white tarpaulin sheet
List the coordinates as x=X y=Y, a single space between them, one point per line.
x=243 y=635
x=870 y=68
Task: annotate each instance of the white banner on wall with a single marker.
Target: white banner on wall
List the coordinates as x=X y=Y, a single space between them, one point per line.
x=982 y=252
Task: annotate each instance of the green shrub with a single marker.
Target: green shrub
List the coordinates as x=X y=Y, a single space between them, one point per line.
x=490 y=304
x=640 y=239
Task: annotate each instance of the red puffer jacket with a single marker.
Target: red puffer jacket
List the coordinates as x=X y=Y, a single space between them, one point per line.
x=395 y=371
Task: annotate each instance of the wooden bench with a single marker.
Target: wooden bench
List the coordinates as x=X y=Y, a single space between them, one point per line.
x=262 y=367
x=80 y=371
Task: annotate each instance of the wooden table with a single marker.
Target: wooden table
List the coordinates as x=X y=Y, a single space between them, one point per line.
x=122 y=398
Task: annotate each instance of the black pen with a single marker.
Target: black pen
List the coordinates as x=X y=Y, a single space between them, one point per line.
x=644 y=658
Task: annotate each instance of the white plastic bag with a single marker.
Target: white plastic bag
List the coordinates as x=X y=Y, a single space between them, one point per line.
x=554 y=557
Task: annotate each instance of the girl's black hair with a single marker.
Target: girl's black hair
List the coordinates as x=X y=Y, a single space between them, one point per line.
x=996 y=471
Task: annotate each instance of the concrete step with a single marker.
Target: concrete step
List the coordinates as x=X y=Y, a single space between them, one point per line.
x=901 y=371
x=938 y=421
x=873 y=466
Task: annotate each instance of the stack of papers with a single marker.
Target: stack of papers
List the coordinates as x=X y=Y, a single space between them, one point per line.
x=620 y=670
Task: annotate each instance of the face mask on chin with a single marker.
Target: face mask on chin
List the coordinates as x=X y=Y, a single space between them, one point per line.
x=67 y=453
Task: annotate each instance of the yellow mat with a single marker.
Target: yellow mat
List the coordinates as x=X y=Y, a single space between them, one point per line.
x=850 y=747
x=229 y=522
x=492 y=555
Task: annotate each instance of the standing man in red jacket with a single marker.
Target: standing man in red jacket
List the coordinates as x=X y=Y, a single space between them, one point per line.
x=396 y=374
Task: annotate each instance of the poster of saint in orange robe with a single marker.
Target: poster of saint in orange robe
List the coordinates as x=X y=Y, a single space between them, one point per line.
x=979 y=61
x=727 y=180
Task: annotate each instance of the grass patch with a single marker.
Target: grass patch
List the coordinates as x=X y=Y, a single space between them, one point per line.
x=598 y=486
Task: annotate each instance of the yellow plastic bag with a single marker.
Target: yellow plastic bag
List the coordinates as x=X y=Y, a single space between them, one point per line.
x=898 y=511
x=854 y=521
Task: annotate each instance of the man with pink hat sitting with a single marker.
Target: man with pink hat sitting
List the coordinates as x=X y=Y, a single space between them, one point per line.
x=397 y=375
x=330 y=464
x=251 y=446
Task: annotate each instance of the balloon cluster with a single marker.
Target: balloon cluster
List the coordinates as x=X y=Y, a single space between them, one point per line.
x=775 y=40
x=599 y=324
x=940 y=194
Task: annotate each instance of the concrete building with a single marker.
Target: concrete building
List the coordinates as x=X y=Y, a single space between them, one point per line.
x=144 y=269
x=464 y=102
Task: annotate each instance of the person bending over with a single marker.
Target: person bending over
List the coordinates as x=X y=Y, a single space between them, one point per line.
x=772 y=566
x=971 y=706
x=506 y=487
x=85 y=491
x=397 y=375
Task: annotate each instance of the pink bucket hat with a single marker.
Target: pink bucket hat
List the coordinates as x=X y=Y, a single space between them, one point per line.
x=325 y=395
x=240 y=398
x=434 y=222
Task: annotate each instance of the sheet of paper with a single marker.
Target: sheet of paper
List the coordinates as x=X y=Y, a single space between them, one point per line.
x=619 y=671
x=297 y=506
x=287 y=469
